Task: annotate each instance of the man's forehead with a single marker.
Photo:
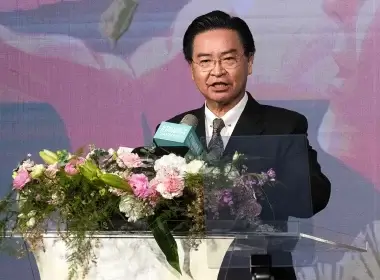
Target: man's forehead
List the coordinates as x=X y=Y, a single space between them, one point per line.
x=217 y=42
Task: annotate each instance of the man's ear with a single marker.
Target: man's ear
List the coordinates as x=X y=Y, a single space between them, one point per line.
x=192 y=70
x=250 y=64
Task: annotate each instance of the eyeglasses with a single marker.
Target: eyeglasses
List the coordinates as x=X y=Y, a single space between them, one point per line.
x=228 y=62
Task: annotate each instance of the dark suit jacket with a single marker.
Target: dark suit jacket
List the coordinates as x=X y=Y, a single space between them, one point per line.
x=297 y=199
x=281 y=137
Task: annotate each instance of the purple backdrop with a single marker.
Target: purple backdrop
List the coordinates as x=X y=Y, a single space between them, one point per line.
x=63 y=86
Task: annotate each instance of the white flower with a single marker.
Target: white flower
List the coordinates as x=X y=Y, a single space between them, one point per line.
x=231 y=172
x=134 y=209
x=170 y=163
x=112 y=151
x=116 y=192
x=212 y=170
x=195 y=166
x=90 y=154
x=31 y=222
x=236 y=156
x=52 y=170
x=27 y=164
x=32 y=213
x=54 y=198
x=123 y=150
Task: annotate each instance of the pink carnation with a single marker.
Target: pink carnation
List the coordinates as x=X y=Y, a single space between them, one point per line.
x=142 y=188
x=71 y=168
x=130 y=160
x=154 y=195
x=22 y=178
x=171 y=186
x=140 y=185
x=154 y=183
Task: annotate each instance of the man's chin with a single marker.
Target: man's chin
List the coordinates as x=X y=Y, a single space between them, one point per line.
x=221 y=97
x=221 y=101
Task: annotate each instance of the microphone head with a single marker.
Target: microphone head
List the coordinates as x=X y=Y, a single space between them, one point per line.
x=190 y=119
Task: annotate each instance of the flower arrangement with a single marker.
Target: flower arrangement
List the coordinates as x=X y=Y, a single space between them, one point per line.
x=83 y=193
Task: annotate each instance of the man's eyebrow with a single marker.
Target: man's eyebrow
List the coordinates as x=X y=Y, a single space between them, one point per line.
x=222 y=53
x=229 y=51
x=203 y=54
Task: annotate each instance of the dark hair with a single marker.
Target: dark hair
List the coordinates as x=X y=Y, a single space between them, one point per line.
x=217 y=20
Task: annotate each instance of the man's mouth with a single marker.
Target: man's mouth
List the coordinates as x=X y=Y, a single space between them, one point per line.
x=219 y=86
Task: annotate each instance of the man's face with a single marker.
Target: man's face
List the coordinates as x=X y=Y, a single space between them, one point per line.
x=219 y=66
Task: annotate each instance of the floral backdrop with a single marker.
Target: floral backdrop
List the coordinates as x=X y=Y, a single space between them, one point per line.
x=64 y=84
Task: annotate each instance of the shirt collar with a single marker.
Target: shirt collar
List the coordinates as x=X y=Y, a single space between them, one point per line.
x=232 y=116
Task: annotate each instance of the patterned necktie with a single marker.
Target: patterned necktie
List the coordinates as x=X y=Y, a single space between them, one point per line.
x=216 y=146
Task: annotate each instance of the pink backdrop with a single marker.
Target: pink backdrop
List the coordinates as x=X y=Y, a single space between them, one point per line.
x=308 y=53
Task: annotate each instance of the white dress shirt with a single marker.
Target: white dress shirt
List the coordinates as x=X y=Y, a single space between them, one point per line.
x=230 y=120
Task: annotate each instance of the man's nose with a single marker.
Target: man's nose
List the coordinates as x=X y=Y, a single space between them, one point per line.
x=218 y=69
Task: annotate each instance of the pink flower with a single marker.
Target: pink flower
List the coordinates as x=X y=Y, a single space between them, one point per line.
x=130 y=160
x=171 y=186
x=71 y=167
x=154 y=195
x=140 y=185
x=154 y=183
x=22 y=178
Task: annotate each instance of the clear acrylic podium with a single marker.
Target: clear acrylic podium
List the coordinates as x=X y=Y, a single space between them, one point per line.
x=269 y=179
x=265 y=250
x=246 y=218
x=247 y=250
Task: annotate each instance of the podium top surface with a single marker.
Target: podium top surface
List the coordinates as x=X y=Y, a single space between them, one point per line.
x=327 y=240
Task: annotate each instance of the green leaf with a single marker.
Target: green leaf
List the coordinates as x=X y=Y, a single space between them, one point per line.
x=165 y=241
x=48 y=156
x=89 y=170
x=116 y=182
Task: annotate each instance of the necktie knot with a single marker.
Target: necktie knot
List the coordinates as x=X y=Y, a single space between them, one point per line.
x=217 y=125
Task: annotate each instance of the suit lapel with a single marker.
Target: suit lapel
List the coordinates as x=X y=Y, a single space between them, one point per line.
x=250 y=122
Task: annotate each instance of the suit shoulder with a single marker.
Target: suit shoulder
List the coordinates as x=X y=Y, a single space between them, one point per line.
x=283 y=115
x=284 y=121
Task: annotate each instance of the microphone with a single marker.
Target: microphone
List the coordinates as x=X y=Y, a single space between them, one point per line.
x=179 y=138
